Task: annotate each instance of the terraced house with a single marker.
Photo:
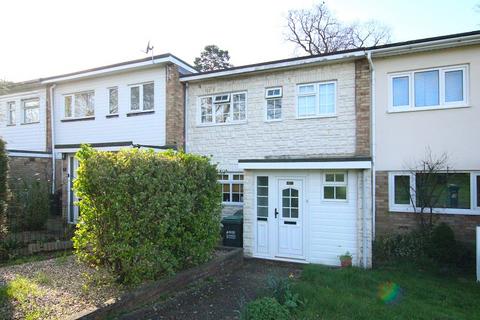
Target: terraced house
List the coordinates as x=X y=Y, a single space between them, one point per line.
x=315 y=150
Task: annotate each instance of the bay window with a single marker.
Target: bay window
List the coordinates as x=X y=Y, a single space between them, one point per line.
x=429 y=89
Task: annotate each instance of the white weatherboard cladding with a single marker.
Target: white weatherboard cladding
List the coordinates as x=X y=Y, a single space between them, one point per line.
x=29 y=137
x=257 y=138
x=330 y=228
x=148 y=129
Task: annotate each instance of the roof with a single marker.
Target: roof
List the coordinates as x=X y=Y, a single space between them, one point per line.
x=338 y=55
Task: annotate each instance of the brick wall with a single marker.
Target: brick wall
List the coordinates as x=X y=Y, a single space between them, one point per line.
x=362 y=107
x=174 y=108
x=396 y=222
x=30 y=168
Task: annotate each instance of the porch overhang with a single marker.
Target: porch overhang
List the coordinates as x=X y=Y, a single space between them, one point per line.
x=305 y=163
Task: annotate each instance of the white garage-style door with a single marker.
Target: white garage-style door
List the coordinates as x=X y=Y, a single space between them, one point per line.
x=307 y=216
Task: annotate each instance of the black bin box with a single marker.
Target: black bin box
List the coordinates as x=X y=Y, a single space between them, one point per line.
x=232 y=231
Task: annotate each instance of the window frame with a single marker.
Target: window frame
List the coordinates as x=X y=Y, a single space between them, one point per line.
x=24 y=108
x=317 y=99
x=473 y=210
x=335 y=184
x=274 y=99
x=110 y=113
x=11 y=104
x=141 y=103
x=442 y=89
x=231 y=181
x=230 y=102
x=257 y=196
x=72 y=98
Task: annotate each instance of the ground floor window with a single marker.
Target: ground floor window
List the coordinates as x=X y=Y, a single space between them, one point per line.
x=335 y=186
x=262 y=197
x=232 y=187
x=442 y=190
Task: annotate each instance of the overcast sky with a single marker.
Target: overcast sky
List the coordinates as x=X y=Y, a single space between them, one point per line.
x=47 y=37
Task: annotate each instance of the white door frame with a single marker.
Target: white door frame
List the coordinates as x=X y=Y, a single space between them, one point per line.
x=71 y=197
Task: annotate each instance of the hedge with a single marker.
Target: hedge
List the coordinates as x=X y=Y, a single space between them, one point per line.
x=145 y=214
x=3 y=189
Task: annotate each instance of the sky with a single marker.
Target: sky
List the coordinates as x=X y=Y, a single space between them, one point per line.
x=50 y=37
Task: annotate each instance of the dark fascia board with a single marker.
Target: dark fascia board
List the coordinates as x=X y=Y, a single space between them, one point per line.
x=27 y=151
x=160 y=56
x=385 y=46
x=270 y=160
x=112 y=144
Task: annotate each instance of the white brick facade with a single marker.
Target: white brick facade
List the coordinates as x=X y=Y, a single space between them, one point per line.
x=332 y=136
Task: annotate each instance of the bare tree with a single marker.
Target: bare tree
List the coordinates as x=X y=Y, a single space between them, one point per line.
x=318 y=31
x=428 y=190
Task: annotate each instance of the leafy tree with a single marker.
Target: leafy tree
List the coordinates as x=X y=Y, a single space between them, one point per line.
x=318 y=31
x=213 y=58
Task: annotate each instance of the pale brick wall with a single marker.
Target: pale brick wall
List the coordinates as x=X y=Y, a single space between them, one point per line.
x=248 y=214
x=364 y=217
x=333 y=136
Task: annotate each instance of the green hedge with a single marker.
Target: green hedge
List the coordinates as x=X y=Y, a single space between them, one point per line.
x=145 y=214
x=3 y=188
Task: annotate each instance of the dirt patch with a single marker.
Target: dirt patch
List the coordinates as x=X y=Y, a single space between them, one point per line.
x=219 y=298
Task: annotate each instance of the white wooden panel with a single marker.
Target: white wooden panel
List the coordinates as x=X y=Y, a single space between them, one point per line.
x=262 y=237
x=142 y=129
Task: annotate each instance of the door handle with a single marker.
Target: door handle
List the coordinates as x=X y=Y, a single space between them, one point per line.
x=276 y=213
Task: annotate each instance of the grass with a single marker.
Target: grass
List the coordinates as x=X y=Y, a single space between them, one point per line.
x=23 y=291
x=396 y=292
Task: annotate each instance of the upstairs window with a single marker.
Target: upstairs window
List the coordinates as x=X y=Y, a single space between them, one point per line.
x=31 y=111
x=335 y=186
x=432 y=88
x=316 y=99
x=274 y=103
x=79 y=105
x=142 y=97
x=11 y=113
x=113 y=100
x=223 y=108
x=232 y=187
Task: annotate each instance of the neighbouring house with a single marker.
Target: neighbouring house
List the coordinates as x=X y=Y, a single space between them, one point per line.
x=292 y=142
x=426 y=96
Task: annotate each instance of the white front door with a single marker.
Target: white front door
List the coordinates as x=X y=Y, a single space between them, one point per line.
x=289 y=215
x=73 y=210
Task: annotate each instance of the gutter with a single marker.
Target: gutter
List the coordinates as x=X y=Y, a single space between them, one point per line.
x=52 y=140
x=373 y=138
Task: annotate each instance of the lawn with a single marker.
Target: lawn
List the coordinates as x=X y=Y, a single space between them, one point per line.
x=397 y=292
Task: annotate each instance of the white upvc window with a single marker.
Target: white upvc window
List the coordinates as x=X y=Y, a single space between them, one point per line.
x=79 y=105
x=274 y=103
x=426 y=89
x=31 y=110
x=223 y=108
x=113 y=100
x=335 y=186
x=232 y=187
x=316 y=99
x=11 y=113
x=453 y=192
x=142 y=97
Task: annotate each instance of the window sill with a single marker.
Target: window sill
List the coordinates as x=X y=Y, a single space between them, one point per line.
x=273 y=120
x=450 y=211
x=140 y=113
x=109 y=116
x=11 y=125
x=317 y=117
x=28 y=123
x=430 y=108
x=77 y=119
x=222 y=124
x=233 y=204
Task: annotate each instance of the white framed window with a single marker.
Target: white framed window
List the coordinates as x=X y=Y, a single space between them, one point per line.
x=335 y=186
x=452 y=192
x=79 y=105
x=223 y=108
x=425 y=89
x=142 y=97
x=232 y=187
x=113 y=100
x=316 y=99
x=11 y=113
x=262 y=197
x=31 y=110
x=274 y=103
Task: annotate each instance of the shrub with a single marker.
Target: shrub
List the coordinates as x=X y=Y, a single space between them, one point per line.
x=3 y=189
x=443 y=245
x=265 y=309
x=411 y=246
x=145 y=214
x=281 y=289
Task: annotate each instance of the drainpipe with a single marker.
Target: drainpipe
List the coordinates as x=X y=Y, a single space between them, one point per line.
x=52 y=130
x=185 y=116
x=373 y=137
